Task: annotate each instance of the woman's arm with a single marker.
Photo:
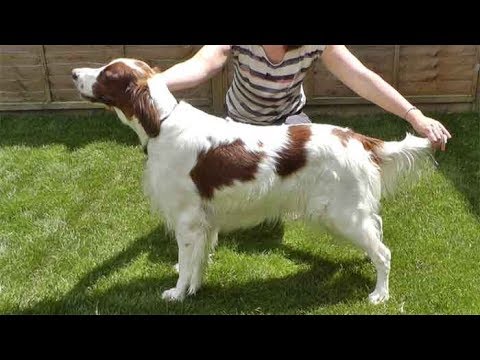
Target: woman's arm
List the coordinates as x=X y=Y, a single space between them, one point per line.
x=202 y=66
x=350 y=71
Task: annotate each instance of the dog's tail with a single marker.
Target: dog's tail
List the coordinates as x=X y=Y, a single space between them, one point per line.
x=403 y=161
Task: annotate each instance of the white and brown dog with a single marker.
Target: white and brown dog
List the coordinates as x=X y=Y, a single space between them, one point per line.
x=206 y=174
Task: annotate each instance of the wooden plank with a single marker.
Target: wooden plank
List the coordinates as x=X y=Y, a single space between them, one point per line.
x=19 y=59
x=19 y=96
x=437 y=50
x=355 y=110
x=396 y=65
x=22 y=85
x=308 y=83
x=16 y=84
x=436 y=69
x=59 y=49
x=19 y=49
x=71 y=94
x=218 y=97
x=48 y=92
x=413 y=99
x=13 y=72
x=97 y=56
x=447 y=87
x=378 y=58
x=459 y=72
x=412 y=63
x=447 y=68
x=320 y=82
x=165 y=52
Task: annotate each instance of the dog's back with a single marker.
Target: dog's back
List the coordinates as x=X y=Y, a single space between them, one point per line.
x=244 y=174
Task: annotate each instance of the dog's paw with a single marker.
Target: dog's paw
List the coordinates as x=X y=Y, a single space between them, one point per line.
x=378 y=297
x=173 y=295
x=176 y=267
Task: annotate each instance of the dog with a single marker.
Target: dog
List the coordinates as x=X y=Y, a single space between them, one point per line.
x=206 y=174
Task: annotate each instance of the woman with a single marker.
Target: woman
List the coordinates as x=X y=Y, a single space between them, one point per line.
x=267 y=84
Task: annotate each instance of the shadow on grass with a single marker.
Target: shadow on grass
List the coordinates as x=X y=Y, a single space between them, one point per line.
x=461 y=163
x=73 y=131
x=323 y=283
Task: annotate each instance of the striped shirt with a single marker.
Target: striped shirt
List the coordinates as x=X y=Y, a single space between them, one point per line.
x=263 y=93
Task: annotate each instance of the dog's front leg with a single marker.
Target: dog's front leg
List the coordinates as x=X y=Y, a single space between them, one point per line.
x=212 y=238
x=192 y=243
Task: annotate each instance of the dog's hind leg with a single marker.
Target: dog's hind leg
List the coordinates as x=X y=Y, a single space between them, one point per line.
x=191 y=235
x=364 y=229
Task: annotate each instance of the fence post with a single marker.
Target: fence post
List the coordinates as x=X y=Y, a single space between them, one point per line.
x=48 y=91
x=218 y=95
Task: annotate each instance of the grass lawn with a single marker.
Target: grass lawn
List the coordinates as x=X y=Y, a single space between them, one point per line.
x=76 y=235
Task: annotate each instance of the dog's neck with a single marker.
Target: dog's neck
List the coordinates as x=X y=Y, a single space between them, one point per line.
x=165 y=103
x=164 y=100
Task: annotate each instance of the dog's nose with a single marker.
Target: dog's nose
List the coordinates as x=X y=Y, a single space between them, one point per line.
x=74 y=75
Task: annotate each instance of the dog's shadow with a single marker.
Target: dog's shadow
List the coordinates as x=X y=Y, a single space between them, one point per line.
x=324 y=283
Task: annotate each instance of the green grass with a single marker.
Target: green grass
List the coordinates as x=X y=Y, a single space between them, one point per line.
x=76 y=235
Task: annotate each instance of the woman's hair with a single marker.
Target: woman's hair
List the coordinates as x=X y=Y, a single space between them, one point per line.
x=291 y=47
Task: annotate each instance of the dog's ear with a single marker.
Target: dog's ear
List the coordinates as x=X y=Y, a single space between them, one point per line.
x=156 y=69
x=112 y=75
x=144 y=108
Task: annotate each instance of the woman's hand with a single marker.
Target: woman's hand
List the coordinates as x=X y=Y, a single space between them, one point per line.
x=431 y=129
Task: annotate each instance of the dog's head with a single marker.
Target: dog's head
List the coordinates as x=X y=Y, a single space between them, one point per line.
x=126 y=86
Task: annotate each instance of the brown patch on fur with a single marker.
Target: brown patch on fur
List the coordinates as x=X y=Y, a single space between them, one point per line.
x=294 y=156
x=144 y=109
x=369 y=144
x=126 y=88
x=222 y=165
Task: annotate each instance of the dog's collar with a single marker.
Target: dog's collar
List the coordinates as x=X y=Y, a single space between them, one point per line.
x=145 y=147
x=170 y=113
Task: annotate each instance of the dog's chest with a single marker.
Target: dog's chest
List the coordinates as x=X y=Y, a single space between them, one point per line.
x=166 y=177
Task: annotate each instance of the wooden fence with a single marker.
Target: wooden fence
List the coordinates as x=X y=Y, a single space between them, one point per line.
x=437 y=77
